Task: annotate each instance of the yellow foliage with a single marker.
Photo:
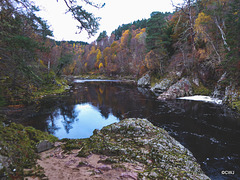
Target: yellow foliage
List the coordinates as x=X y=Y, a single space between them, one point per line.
x=42 y=63
x=143 y=30
x=100 y=65
x=114 y=44
x=200 y=23
x=99 y=55
x=124 y=37
x=85 y=64
x=114 y=47
x=202 y=19
x=138 y=35
x=125 y=33
x=93 y=50
x=101 y=91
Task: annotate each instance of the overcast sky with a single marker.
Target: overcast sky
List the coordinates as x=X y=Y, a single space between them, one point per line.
x=113 y=14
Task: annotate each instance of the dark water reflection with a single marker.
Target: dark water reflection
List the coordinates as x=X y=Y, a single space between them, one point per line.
x=210 y=131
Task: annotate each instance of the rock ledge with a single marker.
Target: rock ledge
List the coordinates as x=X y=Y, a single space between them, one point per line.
x=140 y=143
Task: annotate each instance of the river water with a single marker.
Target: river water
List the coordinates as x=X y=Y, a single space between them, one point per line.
x=211 y=132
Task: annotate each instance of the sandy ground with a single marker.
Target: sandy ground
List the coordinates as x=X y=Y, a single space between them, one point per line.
x=58 y=165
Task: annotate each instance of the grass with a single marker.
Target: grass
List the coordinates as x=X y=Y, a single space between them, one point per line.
x=201 y=89
x=59 y=87
x=18 y=146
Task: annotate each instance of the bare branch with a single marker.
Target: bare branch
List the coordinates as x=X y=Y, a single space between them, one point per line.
x=223 y=34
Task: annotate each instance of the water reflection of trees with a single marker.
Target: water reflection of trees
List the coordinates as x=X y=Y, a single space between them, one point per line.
x=52 y=127
x=120 y=99
x=69 y=116
x=123 y=101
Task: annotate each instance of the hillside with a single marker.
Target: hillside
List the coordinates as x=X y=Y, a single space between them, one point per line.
x=200 y=40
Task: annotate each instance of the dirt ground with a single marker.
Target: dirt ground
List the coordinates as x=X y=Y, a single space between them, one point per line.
x=58 y=165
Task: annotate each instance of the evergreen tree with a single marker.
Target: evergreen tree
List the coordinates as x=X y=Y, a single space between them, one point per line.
x=101 y=36
x=232 y=61
x=158 y=41
x=155 y=31
x=20 y=40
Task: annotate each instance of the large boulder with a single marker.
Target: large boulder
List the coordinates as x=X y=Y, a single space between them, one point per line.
x=139 y=142
x=163 y=86
x=144 y=81
x=219 y=89
x=179 y=89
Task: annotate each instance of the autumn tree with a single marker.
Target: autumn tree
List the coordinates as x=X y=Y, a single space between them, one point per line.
x=139 y=24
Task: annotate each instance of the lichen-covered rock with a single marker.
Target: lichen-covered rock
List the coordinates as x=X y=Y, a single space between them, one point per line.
x=138 y=141
x=44 y=146
x=179 y=89
x=162 y=86
x=144 y=81
x=232 y=97
x=18 y=148
x=219 y=90
x=229 y=94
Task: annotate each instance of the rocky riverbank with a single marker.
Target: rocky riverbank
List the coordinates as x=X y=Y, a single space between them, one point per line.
x=174 y=85
x=130 y=149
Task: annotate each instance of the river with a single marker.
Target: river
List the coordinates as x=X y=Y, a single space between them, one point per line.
x=211 y=132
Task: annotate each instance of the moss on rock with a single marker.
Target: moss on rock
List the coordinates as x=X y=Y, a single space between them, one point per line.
x=18 y=148
x=138 y=141
x=201 y=90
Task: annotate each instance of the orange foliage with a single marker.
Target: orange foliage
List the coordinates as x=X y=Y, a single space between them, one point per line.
x=124 y=38
x=151 y=60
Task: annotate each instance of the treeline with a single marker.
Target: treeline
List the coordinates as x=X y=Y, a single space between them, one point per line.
x=127 y=53
x=200 y=39
x=139 y=24
x=71 y=42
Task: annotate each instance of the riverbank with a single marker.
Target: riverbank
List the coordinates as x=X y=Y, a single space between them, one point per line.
x=174 y=86
x=103 y=77
x=130 y=149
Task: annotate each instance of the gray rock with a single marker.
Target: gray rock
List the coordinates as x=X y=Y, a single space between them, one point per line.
x=44 y=146
x=3 y=161
x=231 y=94
x=144 y=81
x=179 y=89
x=139 y=141
x=218 y=90
x=162 y=86
x=196 y=81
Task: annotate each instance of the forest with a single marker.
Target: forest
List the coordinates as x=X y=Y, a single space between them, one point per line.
x=200 y=36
